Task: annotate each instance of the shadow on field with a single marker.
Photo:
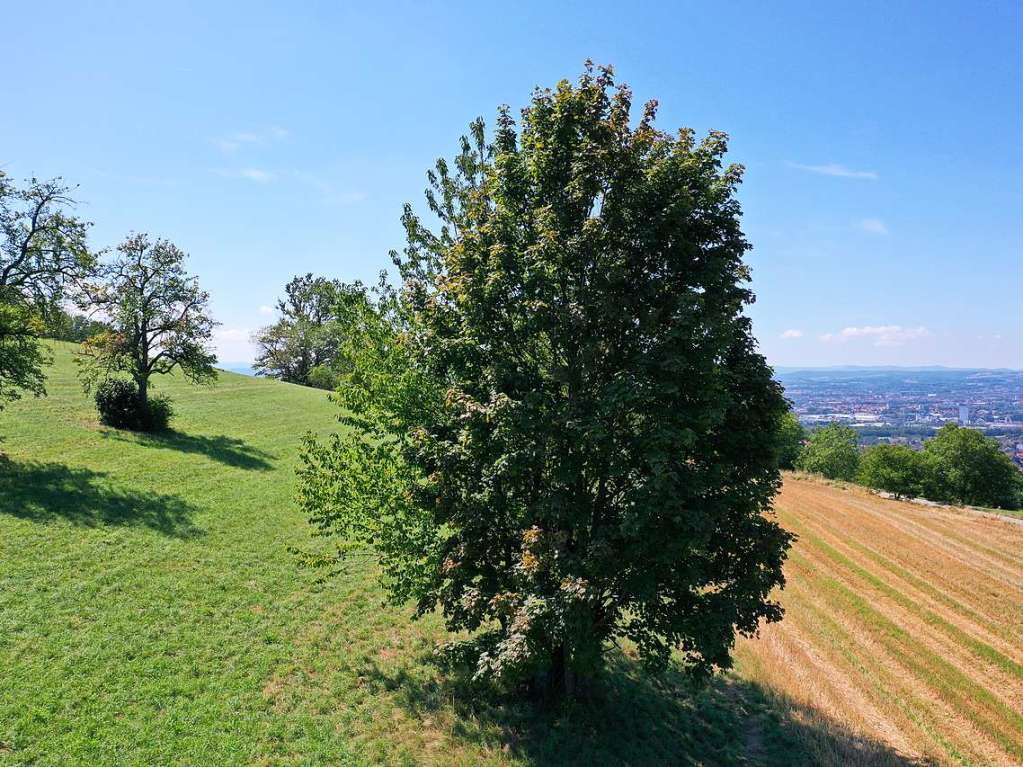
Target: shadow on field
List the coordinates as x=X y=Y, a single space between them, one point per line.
x=227 y=450
x=44 y=492
x=636 y=719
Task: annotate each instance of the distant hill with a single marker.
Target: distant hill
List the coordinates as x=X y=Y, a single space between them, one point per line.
x=151 y=612
x=787 y=369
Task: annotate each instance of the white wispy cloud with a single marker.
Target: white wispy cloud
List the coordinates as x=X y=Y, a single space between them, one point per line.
x=233 y=142
x=266 y=310
x=873 y=226
x=255 y=174
x=249 y=174
x=329 y=193
x=880 y=335
x=792 y=333
x=232 y=334
x=839 y=171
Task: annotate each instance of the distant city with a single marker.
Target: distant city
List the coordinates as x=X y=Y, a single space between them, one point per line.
x=907 y=405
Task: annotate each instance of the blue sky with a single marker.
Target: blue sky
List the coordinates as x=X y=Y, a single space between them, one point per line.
x=882 y=142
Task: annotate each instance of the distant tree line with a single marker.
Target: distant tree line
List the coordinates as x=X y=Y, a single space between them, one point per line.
x=61 y=324
x=957 y=465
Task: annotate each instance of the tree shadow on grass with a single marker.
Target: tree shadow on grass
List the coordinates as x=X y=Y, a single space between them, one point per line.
x=636 y=719
x=227 y=450
x=45 y=492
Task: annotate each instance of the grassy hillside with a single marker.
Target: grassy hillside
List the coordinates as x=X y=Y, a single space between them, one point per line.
x=150 y=613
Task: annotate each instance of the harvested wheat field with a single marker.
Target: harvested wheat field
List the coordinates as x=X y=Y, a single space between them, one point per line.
x=903 y=622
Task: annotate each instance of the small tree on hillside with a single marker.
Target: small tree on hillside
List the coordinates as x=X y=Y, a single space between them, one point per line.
x=570 y=439
x=967 y=467
x=832 y=452
x=897 y=469
x=42 y=249
x=157 y=314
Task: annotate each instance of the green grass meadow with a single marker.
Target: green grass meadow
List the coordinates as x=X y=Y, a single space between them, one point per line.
x=151 y=614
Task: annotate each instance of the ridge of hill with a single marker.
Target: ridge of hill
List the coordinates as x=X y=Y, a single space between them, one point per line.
x=151 y=613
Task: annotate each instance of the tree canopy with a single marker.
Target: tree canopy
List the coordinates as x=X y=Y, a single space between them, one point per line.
x=791 y=436
x=563 y=434
x=44 y=244
x=42 y=249
x=968 y=467
x=158 y=317
x=21 y=356
x=832 y=452
x=304 y=345
x=897 y=469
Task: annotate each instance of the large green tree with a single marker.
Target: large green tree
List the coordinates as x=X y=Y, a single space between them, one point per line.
x=832 y=452
x=898 y=469
x=569 y=437
x=304 y=345
x=967 y=467
x=42 y=250
x=158 y=317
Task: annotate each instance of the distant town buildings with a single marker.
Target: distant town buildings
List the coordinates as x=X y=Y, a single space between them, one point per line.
x=908 y=406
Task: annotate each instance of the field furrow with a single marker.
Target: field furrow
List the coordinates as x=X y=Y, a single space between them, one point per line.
x=902 y=621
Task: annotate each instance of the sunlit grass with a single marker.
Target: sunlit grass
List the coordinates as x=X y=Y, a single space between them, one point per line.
x=150 y=613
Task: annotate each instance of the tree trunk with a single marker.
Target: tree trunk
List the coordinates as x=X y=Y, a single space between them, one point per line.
x=558 y=681
x=143 y=385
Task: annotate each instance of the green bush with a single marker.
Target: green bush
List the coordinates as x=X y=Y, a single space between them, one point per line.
x=898 y=469
x=791 y=435
x=120 y=406
x=118 y=403
x=967 y=467
x=322 y=377
x=158 y=413
x=831 y=452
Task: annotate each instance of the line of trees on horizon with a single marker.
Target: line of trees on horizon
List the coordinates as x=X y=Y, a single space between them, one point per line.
x=958 y=465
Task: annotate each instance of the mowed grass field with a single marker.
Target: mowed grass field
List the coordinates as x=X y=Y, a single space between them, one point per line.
x=152 y=614
x=904 y=622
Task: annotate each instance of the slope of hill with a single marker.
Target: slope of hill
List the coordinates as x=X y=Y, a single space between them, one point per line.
x=151 y=613
x=903 y=621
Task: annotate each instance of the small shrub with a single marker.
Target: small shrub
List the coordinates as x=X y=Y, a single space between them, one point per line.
x=158 y=415
x=322 y=377
x=119 y=406
x=118 y=403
